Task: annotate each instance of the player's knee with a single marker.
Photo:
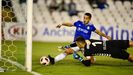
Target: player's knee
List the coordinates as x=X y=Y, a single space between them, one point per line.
x=68 y=51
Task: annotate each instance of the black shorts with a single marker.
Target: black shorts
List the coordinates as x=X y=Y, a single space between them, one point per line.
x=117 y=48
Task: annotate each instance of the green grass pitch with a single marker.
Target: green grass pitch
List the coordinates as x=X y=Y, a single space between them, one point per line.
x=69 y=66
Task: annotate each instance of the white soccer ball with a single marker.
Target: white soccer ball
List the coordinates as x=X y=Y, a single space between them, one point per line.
x=44 y=60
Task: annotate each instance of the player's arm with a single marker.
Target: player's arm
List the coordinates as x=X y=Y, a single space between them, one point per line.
x=102 y=34
x=86 y=62
x=65 y=24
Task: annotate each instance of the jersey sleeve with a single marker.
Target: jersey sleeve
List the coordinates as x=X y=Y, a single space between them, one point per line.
x=77 y=23
x=93 y=28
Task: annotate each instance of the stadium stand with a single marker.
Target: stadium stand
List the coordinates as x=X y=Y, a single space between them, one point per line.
x=118 y=13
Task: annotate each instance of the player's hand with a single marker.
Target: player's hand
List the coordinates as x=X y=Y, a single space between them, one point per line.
x=58 y=26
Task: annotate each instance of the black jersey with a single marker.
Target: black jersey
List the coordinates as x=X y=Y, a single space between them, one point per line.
x=113 y=48
x=97 y=47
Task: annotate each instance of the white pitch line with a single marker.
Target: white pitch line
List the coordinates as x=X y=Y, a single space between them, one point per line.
x=20 y=66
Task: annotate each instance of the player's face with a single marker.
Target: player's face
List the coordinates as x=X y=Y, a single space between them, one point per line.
x=86 y=19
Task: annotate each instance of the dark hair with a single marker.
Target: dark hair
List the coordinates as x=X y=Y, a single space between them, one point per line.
x=80 y=39
x=88 y=14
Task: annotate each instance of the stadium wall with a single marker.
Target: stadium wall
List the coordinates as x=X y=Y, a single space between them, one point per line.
x=49 y=33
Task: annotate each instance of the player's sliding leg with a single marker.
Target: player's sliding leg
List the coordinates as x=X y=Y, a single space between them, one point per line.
x=61 y=56
x=67 y=46
x=52 y=61
x=60 y=48
x=68 y=51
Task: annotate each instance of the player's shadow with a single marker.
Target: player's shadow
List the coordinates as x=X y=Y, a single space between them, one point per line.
x=113 y=63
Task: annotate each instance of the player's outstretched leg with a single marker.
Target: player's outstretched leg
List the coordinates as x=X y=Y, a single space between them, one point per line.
x=61 y=56
x=60 y=48
x=52 y=61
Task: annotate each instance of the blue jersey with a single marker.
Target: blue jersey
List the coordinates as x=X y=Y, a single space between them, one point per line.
x=83 y=30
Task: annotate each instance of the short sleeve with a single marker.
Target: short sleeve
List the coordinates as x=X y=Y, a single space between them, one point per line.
x=77 y=23
x=93 y=28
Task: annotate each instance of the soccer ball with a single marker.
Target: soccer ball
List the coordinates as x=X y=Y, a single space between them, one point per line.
x=44 y=60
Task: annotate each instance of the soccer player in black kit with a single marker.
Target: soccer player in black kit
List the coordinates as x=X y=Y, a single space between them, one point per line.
x=112 y=48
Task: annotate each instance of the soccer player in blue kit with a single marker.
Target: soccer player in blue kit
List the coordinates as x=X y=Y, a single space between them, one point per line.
x=83 y=28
